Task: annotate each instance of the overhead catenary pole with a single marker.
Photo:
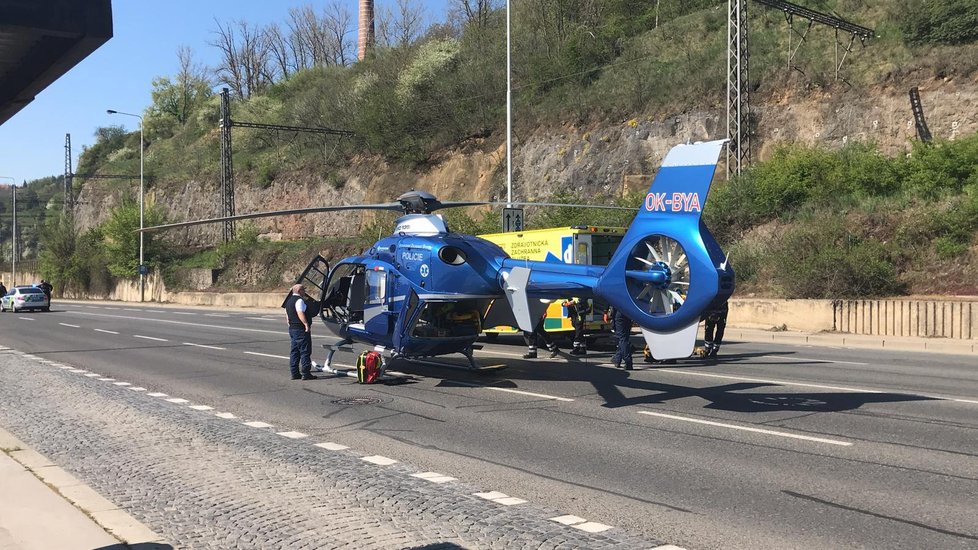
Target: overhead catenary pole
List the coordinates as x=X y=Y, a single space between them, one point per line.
x=227 y=168
x=69 y=199
x=227 y=154
x=738 y=97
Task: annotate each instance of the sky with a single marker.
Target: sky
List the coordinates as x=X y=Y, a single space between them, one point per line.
x=118 y=75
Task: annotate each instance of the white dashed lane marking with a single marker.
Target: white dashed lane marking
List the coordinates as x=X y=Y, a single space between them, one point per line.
x=581 y=523
x=257 y=424
x=184 y=323
x=568 y=520
x=808 y=360
x=150 y=338
x=156 y=394
x=500 y=498
x=203 y=346
x=67 y=325
x=183 y=313
x=748 y=429
x=508 y=390
x=202 y=407
x=330 y=446
x=106 y=331
x=227 y=416
x=293 y=435
x=121 y=384
x=177 y=400
x=434 y=477
x=266 y=355
x=379 y=460
x=26 y=318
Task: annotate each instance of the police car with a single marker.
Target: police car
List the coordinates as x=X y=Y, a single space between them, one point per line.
x=21 y=298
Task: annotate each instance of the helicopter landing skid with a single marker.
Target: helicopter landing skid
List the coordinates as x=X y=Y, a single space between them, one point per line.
x=472 y=367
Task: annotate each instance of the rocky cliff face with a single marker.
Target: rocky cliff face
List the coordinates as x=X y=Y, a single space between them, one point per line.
x=594 y=161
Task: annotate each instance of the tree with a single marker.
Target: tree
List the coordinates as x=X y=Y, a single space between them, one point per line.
x=121 y=238
x=176 y=101
x=402 y=26
x=246 y=58
x=58 y=254
x=473 y=12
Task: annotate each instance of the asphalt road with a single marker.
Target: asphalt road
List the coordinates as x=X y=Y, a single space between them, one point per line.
x=771 y=447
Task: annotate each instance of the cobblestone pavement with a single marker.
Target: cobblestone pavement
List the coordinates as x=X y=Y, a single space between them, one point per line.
x=203 y=481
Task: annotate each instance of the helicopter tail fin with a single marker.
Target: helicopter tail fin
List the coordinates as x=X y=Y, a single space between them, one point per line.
x=668 y=268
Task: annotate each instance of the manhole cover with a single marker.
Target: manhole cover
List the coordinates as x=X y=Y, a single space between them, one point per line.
x=357 y=401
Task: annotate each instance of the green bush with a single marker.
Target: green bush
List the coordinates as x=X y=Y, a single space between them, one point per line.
x=825 y=260
x=938 y=22
x=949 y=247
x=266 y=174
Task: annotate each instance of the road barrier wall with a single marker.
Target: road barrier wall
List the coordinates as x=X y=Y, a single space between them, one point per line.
x=923 y=318
x=957 y=319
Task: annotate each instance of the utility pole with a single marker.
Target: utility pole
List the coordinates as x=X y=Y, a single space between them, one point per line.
x=227 y=168
x=738 y=89
x=69 y=196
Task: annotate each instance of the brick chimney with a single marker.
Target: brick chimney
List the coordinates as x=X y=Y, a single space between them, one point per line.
x=366 y=40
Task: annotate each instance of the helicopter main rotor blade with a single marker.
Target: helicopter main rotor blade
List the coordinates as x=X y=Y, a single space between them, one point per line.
x=314 y=210
x=441 y=205
x=599 y=206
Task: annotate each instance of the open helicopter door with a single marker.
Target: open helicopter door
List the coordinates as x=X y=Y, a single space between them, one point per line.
x=314 y=278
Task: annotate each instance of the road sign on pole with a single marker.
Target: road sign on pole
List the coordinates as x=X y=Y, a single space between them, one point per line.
x=512 y=219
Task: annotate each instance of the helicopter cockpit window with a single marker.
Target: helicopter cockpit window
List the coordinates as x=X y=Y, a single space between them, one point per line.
x=448 y=320
x=376 y=287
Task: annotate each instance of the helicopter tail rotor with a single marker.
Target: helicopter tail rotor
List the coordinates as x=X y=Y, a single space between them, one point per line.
x=668 y=268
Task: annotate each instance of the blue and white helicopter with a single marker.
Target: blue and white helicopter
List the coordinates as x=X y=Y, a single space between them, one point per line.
x=425 y=291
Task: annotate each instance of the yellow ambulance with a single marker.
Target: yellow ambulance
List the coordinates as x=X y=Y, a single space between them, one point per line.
x=571 y=245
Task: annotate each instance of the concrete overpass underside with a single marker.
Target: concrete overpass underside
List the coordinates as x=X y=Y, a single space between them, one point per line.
x=41 y=41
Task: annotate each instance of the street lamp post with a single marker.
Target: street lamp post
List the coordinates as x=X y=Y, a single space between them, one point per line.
x=13 y=231
x=142 y=279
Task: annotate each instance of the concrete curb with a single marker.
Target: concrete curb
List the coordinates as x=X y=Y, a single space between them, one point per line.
x=114 y=520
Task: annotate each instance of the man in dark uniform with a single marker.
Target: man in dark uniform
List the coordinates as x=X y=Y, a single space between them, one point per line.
x=622 y=327
x=538 y=335
x=47 y=289
x=299 y=321
x=577 y=312
x=716 y=322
